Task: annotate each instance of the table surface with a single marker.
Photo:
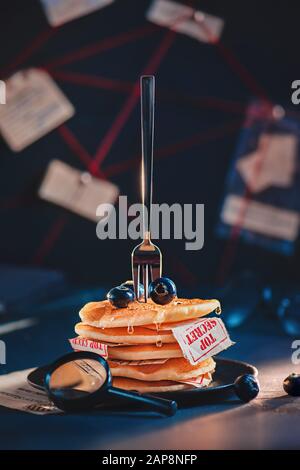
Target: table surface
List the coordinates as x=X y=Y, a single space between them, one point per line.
x=265 y=423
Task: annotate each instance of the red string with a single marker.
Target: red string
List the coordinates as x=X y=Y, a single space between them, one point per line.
x=26 y=53
x=92 y=81
x=49 y=241
x=101 y=46
x=125 y=87
x=228 y=256
x=130 y=104
x=170 y=150
x=118 y=124
x=76 y=146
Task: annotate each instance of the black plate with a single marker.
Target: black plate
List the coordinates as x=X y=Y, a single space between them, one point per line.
x=220 y=389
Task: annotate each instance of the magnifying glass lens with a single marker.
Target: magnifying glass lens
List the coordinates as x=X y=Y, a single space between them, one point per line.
x=82 y=380
x=77 y=379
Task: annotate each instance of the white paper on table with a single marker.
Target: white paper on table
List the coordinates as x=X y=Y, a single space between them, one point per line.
x=59 y=12
x=34 y=106
x=16 y=393
x=75 y=190
x=184 y=19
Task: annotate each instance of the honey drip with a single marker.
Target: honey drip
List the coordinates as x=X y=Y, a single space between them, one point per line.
x=159 y=343
x=130 y=330
x=218 y=310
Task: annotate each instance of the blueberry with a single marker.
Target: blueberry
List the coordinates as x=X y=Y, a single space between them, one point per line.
x=120 y=296
x=162 y=291
x=129 y=284
x=291 y=385
x=246 y=387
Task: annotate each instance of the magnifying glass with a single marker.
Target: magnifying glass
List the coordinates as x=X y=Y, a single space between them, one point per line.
x=82 y=380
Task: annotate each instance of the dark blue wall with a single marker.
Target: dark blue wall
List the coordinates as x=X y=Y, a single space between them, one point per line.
x=263 y=36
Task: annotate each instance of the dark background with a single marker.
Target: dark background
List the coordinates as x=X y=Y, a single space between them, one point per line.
x=260 y=40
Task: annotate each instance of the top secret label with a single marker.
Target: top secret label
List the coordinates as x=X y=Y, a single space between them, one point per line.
x=202 y=339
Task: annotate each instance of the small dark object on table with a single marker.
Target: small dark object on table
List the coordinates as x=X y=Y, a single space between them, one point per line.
x=291 y=385
x=246 y=387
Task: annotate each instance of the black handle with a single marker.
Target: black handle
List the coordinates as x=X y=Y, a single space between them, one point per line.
x=161 y=405
x=147 y=125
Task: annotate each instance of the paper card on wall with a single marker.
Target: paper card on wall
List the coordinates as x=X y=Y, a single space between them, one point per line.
x=261 y=218
x=186 y=20
x=75 y=190
x=34 y=106
x=262 y=200
x=59 y=12
x=276 y=157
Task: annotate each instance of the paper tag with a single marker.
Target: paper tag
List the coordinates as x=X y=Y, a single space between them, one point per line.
x=75 y=190
x=142 y=362
x=83 y=344
x=261 y=218
x=34 y=106
x=186 y=20
x=16 y=393
x=202 y=339
x=271 y=164
x=198 y=382
x=59 y=12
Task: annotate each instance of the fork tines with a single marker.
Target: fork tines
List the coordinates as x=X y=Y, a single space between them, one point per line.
x=146 y=258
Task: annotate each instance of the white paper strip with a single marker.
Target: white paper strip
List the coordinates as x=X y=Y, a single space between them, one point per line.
x=16 y=393
x=84 y=344
x=202 y=339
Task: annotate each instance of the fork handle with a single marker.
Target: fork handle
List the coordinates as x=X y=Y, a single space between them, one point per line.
x=147 y=84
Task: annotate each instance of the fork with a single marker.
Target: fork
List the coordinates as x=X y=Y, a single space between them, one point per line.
x=146 y=257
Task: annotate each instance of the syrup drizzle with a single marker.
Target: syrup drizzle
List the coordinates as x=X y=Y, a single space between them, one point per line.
x=218 y=310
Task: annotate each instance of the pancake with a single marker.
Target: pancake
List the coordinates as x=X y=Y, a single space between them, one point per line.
x=169 y=326
x=139 y=335
x=103 y=315
x=145 y=352
x=144 y=386
x=174 y=369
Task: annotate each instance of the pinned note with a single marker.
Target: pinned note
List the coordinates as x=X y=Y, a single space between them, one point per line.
x=262 y=197
x=75 y=190
x=186 y=20
x=34 y=106
x=59 y=12
x=272 y=163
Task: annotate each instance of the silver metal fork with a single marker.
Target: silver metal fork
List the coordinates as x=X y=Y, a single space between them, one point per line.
x=146 y=257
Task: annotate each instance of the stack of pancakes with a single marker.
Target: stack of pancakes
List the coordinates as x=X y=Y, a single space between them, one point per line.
x=143 y=354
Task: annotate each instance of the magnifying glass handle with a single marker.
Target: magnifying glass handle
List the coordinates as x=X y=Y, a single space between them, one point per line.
x=161 y=405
